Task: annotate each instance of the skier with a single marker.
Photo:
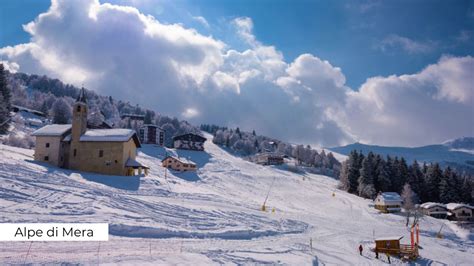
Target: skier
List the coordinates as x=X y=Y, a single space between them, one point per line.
x=388 y=258
x=360 y=249
x=376 y=254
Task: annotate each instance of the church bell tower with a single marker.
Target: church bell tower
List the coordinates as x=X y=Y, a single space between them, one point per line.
x=79 y=116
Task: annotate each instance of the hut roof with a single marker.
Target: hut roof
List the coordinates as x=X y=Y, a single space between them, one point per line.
x=389 y=238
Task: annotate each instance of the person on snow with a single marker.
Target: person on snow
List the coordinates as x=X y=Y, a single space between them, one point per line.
x=376 y=254
x=360 y=249
x=388 y=258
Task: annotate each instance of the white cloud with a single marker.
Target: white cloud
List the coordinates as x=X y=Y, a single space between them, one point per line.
x=424 y=108
x=119 y=51
x=245 y=29
x=395 y=41
x=201 y=20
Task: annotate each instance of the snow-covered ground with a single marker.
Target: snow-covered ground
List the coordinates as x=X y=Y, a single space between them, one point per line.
x=209 y=217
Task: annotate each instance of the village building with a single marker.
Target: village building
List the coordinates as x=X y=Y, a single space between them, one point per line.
x=459 y=212
x=388 y=202
x=436 y=210
x=269 y=158
x=151 y=134
x=30 y=117
x=189 y=141
x=74 y=146
x=178 y=164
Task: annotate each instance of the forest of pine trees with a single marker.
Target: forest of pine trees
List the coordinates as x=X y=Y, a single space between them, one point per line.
x=366 y=175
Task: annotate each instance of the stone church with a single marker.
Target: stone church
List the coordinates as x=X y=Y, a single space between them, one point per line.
x=74 y=146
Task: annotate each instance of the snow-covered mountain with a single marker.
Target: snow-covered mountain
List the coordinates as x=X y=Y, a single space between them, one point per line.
x=465 y=144
x=457 y=153
x=210 y=217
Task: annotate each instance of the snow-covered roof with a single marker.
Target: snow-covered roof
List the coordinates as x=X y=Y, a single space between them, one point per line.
x=453 y=206
x=181 y=159
x=389 y=238
x=428 y=205
x=112 y=135
x=133 y=163
x=116 y=134
x=390 y=196
x=52 y=130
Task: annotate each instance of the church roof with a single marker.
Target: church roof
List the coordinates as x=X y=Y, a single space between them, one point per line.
x=52 y=130
x=82 y=96
x=116 y=134
x=108 y=135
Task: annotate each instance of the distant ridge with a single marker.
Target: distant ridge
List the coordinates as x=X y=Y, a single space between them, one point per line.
x=457 y=153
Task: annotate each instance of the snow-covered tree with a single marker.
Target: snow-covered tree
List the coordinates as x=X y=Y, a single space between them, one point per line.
x=4 y=102
x=344 y=176
x=95 y=117
x=61 y=111
x=408 y=197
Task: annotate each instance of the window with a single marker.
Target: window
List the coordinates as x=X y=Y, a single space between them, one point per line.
x=78 y=108
x=75 y=152
x=47 y=145
x=185 y=165
x=46 y=158
x=101 y=153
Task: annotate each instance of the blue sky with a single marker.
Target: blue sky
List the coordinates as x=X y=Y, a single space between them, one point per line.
x=347 y=33
x=324 y=73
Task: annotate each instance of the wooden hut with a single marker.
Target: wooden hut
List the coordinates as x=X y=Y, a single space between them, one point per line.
x=389 y=245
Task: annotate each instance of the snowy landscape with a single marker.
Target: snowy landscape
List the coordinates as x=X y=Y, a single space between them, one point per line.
x=210 y=217
x=239 y=132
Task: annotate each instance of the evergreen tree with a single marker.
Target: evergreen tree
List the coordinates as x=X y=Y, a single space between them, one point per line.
x=466 y=189
x=382 y=182
x=396 y=176
x=403 y=170
x=353 y=170
x=415 y=179
x=365 y=186
x=148 y=117
x=445 y=186
x=432 y=182
x=5 y=104
x=237 y=130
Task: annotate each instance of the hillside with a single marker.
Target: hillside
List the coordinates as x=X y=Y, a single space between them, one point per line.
x=212 y=216
x=458 y=153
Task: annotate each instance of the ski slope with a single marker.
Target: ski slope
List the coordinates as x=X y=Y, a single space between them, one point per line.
x=210 y=217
